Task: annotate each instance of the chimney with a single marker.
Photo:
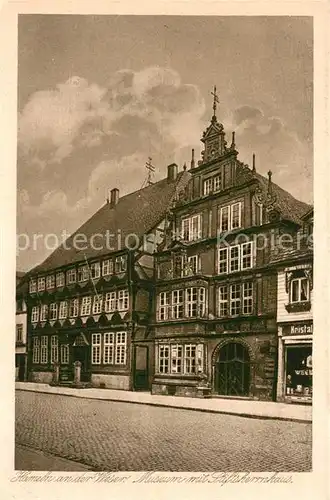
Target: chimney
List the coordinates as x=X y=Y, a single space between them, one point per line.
x=192 y=163
x=172 y=172
x=114 y=197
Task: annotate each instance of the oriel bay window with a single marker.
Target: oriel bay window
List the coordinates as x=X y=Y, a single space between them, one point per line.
x=109 y=348
x=185 y=359
x=195 y=302
x=181 y=303
x=164 y=306
x=235 y=299
x=235 y=258
x=177 y=304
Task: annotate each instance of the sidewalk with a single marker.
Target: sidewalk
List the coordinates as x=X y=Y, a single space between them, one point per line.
x=243 y=408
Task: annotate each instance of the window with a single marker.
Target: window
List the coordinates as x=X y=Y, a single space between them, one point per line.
x=71 y=276
x=223 y=260
x=35 y=314
x=95 y=270
x=121 y=264
x=36 y=351
x=54 y=349
x=63 y=310
x=163 y=358
x=120 y=358
x=44 y=312
x=83 y=274
x=235 y=299
x=60 y=279
x=41 y=284
x=74 y=308
x=33 y=285
x=230 y=217
x=50 y=282
x=195 y=302
x=19 y=333
x=191 y=228
x=217 y=183
x=178 y=358
x=177 y=304
x=53 y=311
x=107 y=267
x=110 y=304
x=234 y=258
x=190 y=358
x=64 y=354
x=246 y=255
x=223 y=301
x=208 y=186
x=213 y=184
x=299 y=290
x=96 y=348
x=123 y=300
x=247 y=298
x=97 y=304
x=86 y=306
x=163 y=306
x=108 y=348
x=193 y=264
x=44 y=350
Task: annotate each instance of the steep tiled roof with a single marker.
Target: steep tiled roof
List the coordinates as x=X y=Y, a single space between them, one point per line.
x=135 y=213
x=292 y=254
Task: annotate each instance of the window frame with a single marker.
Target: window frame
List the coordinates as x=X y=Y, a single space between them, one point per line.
x=36 y=350
x=61 y=314
x=54 y=349
x=86 y=305
x=53 y=311
x=60 y=279
x=44 y=349
x=107 y=264
x=19 y=332
x=299 y=280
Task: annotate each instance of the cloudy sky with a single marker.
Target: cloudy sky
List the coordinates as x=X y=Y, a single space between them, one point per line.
x=97 y=95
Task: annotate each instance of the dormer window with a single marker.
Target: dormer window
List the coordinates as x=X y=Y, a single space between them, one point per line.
x=213 y=184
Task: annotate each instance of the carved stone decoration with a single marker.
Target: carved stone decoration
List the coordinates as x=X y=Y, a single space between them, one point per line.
x=309 y=276
x=288 y=278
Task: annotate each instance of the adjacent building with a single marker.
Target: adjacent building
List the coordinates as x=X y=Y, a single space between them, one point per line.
x=21 y=329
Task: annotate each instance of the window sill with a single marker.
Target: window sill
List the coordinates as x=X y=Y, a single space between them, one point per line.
x=298 y=307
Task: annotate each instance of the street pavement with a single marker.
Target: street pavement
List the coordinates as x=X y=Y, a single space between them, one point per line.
x=27 y=459
x=111 y=436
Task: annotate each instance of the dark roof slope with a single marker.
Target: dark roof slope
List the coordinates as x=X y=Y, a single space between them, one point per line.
x=135 y=213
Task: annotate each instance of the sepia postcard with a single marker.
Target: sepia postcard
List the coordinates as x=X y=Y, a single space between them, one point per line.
x=164 y=278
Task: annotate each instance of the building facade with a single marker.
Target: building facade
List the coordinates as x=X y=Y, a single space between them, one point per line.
x=21 y=330
x=295 y=319
x=215 y=290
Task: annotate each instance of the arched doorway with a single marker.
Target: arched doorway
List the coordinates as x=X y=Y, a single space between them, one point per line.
x=232 y=370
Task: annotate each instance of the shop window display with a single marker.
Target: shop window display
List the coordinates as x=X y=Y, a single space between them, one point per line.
x=299 y=371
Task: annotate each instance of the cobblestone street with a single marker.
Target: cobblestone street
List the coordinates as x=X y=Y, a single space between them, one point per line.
x=120 y=436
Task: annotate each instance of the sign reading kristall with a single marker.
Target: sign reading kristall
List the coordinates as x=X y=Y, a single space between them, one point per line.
x=298 y=329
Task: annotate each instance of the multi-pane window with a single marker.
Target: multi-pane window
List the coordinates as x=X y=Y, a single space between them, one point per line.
x=44 y=312
x=60 y=279
x=53 y=311
x=83 y=274
x=208 y=186
x=95 y=270
x=230 y=217
x=108 y=348
x=50 y=282
x=54 y=349
x=120 y=353
x=163 y=358
x=247 y=297
x=299 y=290
x=180 y=358
x=107 y=267
x=193 y=264
x=19 y=333
x=110 y=303
x=123 y=300
x=86 y=303
x=191 y=302
x=223 y=301
x=63 y=313
x=177 y=304
x=96 y=348
x=235 y=299
x=190 y=358
x=35 y=314
x=217 y=183
x=163 y=306
x=191 y=228
x=176 y=358
x=223 y=261
x=41 y=284
x=36 y=350
x=74 y=308
x=71 y=276
x=213 y=184
x=64 y=354
x=246 y=255
x=33 y=285
x=97 y=304
x=121 y=264
x=235 y=258
x=44 y=349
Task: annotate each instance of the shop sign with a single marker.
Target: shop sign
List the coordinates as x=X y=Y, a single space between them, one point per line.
x=300 y=329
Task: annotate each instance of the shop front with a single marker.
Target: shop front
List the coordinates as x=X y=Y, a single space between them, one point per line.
x=295 y=363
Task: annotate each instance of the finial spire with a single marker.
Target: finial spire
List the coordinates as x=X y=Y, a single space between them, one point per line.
x=233 y=141
x=270 y=173
x=254 y=163
x=215 y=100
x=192 y=163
